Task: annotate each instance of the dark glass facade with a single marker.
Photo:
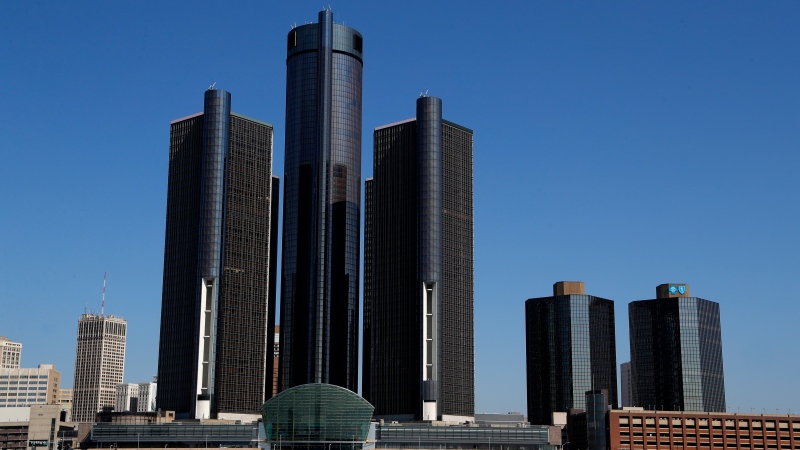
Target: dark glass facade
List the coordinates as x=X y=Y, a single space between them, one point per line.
x=418 y=262
x=321 y=220
x=216 y=308
x=676 y=354
x=571 y=349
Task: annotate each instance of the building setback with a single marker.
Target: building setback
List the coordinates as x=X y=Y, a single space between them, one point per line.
x=217 y=313
x=99 y=364
x=676 y=352
x=322 y=206
x=418 y=269
x=570 y=348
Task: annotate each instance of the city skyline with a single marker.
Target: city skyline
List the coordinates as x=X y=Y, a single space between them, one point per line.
x=620 y=145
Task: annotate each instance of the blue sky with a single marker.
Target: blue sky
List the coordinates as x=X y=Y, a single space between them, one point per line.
x=624 y=144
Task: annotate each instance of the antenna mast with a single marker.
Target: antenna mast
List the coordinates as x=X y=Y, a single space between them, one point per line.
x=103 y=304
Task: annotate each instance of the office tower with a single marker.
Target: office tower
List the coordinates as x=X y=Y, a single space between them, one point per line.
x=418 y=269
x=214 y=348
x=322 y=179
x=626 y=384
x=10 y=353
x=676 y=352
x=570 y=347
x=99 y=364
x=26 y=387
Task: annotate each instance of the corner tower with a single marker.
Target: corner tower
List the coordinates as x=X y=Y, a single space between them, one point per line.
x=418 y=269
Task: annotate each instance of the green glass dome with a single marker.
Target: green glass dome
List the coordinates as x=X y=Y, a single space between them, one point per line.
x=317 y=416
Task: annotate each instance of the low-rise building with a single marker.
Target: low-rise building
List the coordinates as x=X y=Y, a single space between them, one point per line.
x=26 y=387
x=637 y=429
x=40 y=427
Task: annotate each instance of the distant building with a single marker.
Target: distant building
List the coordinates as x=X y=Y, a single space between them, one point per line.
x=571 y=349
x=217 y=306
x=626 y=384
x=136 y=397
x=65 y=400
x=99 y=364
x=10 y=353
x=26 y=387
x=676 y=352
x=419 y=350
x=638 y=429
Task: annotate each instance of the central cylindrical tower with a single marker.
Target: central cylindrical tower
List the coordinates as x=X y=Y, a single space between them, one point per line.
x=321 y=217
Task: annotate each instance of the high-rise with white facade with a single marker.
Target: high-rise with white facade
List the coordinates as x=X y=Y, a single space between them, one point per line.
x=99 y=364
x=136 y=397
x=10 y=353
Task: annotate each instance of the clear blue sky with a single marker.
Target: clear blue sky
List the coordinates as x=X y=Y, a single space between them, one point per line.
x=624 y=144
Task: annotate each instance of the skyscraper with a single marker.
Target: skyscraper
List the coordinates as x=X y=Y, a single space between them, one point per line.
x=99 y=364
x=321 y=237
x=418 y=269
x=217 y=314
x=570 y=348
x=676 y=352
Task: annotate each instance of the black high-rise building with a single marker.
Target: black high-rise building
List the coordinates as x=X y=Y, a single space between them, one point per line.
x=322 y=199
x=217 y=311
x=676 y=352
x=570 y=349
x=418 y=269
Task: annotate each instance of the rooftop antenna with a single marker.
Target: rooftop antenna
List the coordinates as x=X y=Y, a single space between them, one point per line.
x=211 y=88
x=424 y=94
x=103 y=303
x=294 y=25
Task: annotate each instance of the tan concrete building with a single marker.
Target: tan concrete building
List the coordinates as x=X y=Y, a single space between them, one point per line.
x=26 y=387
x=10 y=353
x=35 y=427
x=65 y=400
x=99 y=364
